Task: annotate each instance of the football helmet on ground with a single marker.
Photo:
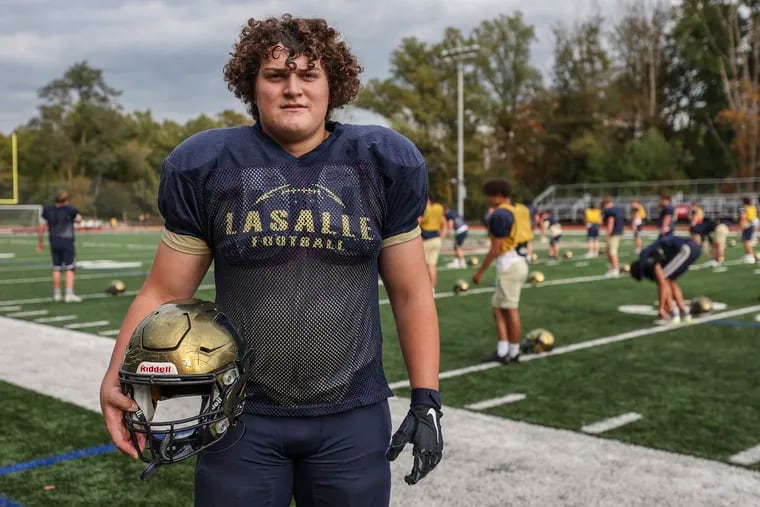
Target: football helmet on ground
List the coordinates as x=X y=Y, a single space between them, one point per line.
x=473 y=261
x=461 y=286
x=537 y=341
x=189 y=350
x=700 y=305
x=536 y=278
x=116 y=287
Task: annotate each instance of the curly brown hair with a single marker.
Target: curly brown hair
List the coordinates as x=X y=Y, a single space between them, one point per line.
x=300 y=36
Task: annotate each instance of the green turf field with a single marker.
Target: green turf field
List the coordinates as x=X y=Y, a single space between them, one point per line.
x=693 y=386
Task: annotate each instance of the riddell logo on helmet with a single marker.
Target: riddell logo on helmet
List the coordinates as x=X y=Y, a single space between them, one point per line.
x=157 y=368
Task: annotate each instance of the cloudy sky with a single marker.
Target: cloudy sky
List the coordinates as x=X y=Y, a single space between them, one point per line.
x=167 y=55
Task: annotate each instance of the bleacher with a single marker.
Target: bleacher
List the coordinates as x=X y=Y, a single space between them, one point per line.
x=719 y=198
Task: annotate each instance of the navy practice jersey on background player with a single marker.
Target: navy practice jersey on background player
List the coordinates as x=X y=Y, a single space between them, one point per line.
x=296 y=244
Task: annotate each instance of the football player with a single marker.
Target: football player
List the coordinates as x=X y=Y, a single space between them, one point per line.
x=713 y=233
x=666 y=222
x=593 y=219
x=663 y=262
x=696 y=214
x=554 y=231
x=509 y=230
x=638 y=215
x=433 y=225
x=748 y=222
x=458 y=227
x=299 y=215
x=59 y=219
x=614 y=221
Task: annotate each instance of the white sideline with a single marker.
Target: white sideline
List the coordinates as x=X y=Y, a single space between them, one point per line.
x=589 y=344
x=489 y=461
x=611 y=423
x=495 y=402
x=747 y=457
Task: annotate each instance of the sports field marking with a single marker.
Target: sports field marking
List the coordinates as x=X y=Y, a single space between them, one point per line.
x=581 y=264
x=588 y=344
x=747 y=457
x=495 y=402
x=46 y=279
x=13 y=308
x=110 y=332
x=83 y=325
x=59 y=318
x=36 y=463
x=611 y=423
x=30 y=313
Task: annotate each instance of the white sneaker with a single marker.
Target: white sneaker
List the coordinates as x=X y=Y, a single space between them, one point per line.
x=72 y=298
x=57 y=297
x=613 y=273
x=749 y=259
x=453 y=264
x=589 y=255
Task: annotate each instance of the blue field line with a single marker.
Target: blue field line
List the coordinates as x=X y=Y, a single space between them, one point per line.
x=6 y=502
x=52 y=460
x=736 y=323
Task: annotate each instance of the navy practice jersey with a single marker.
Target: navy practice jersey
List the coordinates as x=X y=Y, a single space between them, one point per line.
x=296 y=244
x=665 y=211
x=618 y=216
x=60 y=221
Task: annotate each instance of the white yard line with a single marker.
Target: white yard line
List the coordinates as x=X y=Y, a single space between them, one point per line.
x=13 y=308
x=110 y=332
x=611 y=423
x=495 y=402
x=84 y=325
x=747 y=457
x=30 y=313
x=589 y=344
x=59 y=318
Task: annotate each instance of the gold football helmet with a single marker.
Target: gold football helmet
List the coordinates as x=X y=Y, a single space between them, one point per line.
x=568 y=254
x=473 y=261
x=537 y=341
x=700 y=305
x=536 y=278
x=461 y=286
x=185 y=349
x=116 y=287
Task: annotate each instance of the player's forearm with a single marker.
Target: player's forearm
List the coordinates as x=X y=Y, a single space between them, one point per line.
x=417 y=326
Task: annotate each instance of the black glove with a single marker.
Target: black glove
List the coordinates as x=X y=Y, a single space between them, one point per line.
x=422 y=427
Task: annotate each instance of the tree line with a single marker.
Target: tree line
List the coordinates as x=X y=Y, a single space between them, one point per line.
x=662 y=92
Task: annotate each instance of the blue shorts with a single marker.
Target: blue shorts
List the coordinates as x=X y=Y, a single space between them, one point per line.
x=336 y=459
x=592 y=231
x=555 y=240
x=748 y=233
x=679 y=264
x=459 y=239
x=637 y=230
x=62 y=251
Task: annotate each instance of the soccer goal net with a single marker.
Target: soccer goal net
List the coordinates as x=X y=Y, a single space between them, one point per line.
x=20 y=215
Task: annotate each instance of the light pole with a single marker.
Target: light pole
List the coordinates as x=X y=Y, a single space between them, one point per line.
x=459 y=54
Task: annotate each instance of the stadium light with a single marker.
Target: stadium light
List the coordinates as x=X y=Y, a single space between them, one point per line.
x=459 y=54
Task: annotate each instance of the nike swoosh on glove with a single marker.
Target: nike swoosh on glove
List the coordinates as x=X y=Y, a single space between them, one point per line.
x=421 y=427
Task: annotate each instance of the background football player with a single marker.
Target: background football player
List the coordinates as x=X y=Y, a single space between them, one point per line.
x=614 y=222
x=593 y=218
x=299 y=216
x=663 y=262
x=638 y=215
x=666 y=223
x=748 y=222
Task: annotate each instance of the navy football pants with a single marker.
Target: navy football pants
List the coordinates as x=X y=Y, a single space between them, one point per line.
x=334 y=460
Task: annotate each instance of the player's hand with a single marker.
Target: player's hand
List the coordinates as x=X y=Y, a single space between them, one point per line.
x=113 y=404
x=421 y=427
x=477 y=277
x=40 y=247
